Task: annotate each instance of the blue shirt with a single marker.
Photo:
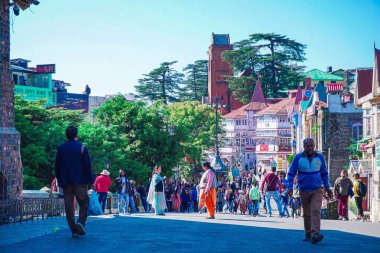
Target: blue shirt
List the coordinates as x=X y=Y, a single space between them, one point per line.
x=312 y=172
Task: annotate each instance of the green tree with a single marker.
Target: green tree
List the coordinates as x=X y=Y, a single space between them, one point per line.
x=161 y=83
x=41 y=131
x=196 y=81
x=271 y=57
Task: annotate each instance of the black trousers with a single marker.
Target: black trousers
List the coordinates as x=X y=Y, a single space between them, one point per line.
x=359 y=204
x=80 y=193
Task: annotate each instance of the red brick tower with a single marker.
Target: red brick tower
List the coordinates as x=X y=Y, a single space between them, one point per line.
x=217 y=70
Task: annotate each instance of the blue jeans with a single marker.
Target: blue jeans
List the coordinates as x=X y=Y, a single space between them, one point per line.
x=144 y=203
x=324 y=213
x=274 y=195
x=285 y=210
x=102 y=200
x=125 y=197
x=255 y=209
x=132 y=204
x=250 y=208
x=231 y=206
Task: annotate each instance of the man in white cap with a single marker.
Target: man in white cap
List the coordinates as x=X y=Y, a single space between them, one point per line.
x=102 y=182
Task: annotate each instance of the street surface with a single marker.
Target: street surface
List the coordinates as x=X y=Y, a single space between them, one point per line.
x=190 y=232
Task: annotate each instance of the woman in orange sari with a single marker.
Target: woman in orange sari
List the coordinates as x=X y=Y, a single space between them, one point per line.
x=208 y=187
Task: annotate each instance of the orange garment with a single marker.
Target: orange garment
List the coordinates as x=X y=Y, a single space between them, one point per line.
x=210 y=200
x=202 y=199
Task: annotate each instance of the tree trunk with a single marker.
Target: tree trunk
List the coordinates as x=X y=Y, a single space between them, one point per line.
x=274 y=83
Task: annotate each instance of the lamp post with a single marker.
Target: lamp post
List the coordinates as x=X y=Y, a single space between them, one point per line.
x=217 y=163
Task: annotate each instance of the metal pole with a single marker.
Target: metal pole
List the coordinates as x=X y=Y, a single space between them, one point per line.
x=328 y=163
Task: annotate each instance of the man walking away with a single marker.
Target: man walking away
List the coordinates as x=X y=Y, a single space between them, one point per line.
x=102 y=182
x=312 y=173
x=73 y=172
x=268 y=188
x=341 y=189
x=360 y=191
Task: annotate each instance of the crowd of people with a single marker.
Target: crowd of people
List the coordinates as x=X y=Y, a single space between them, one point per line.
x=304 y=189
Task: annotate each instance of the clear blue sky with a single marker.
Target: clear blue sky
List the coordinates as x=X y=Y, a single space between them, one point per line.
x=110 y=44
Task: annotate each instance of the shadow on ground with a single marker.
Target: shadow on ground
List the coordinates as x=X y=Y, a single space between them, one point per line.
x=133 y=234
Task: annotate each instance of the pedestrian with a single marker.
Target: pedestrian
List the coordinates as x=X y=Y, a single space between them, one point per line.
x=284 y=200
x=268 y=188
x=194 y=197
x=122 y=186
x=312 y=174
x=295 y=205
x=243 y=200
x=342 y=187
x=142 y=191
x=360 y=191
x=156 y=195
x=231 y=200
x=73 y=172
x=185 y=200
x=324 y=205
x=132 y=197
x=208 y=185
x=168 y=195
x=254 y=196
x=176 y=201
x=219 y=200
x=102 y=182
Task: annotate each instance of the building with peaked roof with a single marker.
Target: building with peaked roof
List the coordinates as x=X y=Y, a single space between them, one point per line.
x=240 y=127
x=331 y=119
x=318 y=76
x=217 y=72
x=367 y=97
x=273 y=135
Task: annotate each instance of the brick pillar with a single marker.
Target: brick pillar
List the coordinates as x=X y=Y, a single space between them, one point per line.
x=10 y=157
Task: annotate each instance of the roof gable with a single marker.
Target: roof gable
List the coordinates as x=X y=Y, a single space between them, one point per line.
x=278 y=108
x=258 y=94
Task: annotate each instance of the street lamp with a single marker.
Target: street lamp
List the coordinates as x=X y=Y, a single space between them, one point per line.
x=217 y=163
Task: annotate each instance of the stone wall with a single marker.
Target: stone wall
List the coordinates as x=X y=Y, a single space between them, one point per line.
x=10 y=158
x=337 y=134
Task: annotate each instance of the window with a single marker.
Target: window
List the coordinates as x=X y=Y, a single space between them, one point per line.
x=244 y=122
x=15 y=79
x=282 y=118
x=357 y=131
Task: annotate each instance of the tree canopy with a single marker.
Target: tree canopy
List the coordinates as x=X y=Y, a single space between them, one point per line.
x=161 y=83
x=271 y=57
x=196 y=81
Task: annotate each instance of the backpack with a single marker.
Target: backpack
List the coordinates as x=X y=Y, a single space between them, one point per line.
x=362 y=190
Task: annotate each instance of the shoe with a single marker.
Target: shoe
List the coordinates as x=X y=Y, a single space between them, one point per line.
x=80 y=229
x=74 y=235
x=210 y=218
x=316 y=237
x=307 y=238
x=269 y=215
x=340 y=218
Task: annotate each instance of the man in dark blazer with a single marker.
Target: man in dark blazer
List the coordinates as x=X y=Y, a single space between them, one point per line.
x=73 y=172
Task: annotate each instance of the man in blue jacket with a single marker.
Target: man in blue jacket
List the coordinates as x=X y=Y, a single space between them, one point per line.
x=312 y=174
x=73 y=172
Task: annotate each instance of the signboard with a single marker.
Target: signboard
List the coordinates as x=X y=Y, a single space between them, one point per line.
x=250 y=149
x=265 y=156
x=264 y=147
x=266 y=133
x=377 y=154
x=284 y=133
x=46 y=69
x=73 y=101
x=365 y=167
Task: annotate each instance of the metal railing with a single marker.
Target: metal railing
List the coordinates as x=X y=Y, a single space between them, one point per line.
x=13 y=211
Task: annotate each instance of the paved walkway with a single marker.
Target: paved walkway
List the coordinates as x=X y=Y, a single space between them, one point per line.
x=188 y=233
